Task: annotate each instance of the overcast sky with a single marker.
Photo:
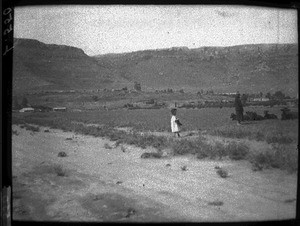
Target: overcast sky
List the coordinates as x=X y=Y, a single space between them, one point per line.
x=115 y=29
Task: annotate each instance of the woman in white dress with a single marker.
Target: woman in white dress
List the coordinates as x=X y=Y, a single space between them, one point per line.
x=175 y=124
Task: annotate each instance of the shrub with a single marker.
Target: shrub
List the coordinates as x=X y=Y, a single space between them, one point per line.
x=58 y=169
x=237 y=151
x=107 y=146
x=15 y=132
x=275 y=132
x=151 y=155
x=62 y=154
x=123 y=149
x=281 y=156
x=216 y=203
x=222 y=173
x=280 y=138
x=183 y=168
x=31 y=128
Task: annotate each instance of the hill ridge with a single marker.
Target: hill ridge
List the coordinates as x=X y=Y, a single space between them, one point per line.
x=250 y=67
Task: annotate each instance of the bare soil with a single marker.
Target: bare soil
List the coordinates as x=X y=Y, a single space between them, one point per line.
x=94 y=183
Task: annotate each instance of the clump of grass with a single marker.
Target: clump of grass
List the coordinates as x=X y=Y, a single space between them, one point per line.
x=279 y=138
x=31 y=128
x=216 y=203
x=15 y=132
x=256 y=166
x=147 y=155
x=59 y=171
x=237 y=132
x=222 y=173
x=123 y=149
x=281 y=156
x=183 y=147
x=46 y=131
x=107 y=146
x=237 y=150
x=271 y=133
x=183 y=168
x=69 y=138
x=62 y=154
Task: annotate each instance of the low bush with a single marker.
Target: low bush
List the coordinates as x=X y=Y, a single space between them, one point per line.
x=237 y=150
x=123 y=149
x=62 y=154
x=234 y=150
x=281 y=156
x=31 y=128
x=147 y=155
x=58 y=169
x=107 y=146
x=222 y=173
x=279 y=138
x=280 y=132
x=216 y=203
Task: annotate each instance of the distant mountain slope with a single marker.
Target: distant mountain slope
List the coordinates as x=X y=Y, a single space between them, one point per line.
x=248 y=68
x=39 y=66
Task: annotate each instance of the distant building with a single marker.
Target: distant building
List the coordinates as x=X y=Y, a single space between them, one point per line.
x=60 y=109
x=260 y=99
x=27 y=110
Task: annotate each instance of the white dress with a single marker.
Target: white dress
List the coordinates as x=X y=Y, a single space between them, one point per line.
x=174 y=126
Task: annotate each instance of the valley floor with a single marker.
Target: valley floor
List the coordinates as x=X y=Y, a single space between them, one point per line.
x=99 y=182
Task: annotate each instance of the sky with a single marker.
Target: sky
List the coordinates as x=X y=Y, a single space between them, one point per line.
x=119 y=28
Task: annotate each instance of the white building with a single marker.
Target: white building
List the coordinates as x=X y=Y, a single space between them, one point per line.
x=60 y=109
x=27 y=110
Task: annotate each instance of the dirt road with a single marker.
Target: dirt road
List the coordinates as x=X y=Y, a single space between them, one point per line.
x=97 y=183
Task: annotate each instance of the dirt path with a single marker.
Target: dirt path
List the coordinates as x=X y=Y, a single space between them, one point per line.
x=102 y=184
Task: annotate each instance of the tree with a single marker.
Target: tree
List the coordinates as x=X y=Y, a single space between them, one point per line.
x=24 y=102
x=137 y=86
x=279 y=95
x=181 y=91
x=268 y=95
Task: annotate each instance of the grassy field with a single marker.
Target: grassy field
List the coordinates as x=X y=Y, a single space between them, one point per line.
x=283 y=135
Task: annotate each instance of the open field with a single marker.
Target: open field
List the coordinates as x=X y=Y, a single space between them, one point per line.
x=99 y=181
x=153 y=119
x=124 y=165
x=216 y=122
